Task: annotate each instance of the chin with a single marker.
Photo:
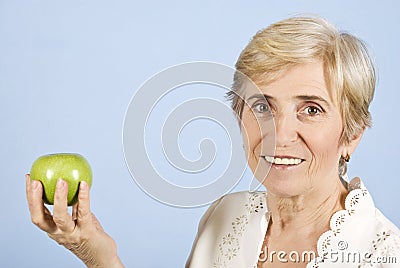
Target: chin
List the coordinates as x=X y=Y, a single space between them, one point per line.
x=283 y=188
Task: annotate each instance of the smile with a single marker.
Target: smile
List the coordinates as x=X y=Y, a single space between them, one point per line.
x=282 y=160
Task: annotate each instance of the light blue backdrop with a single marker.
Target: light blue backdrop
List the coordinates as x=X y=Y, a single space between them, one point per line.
x=69 y=68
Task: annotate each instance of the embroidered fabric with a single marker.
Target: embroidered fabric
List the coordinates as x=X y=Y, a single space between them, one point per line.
x=230 y=246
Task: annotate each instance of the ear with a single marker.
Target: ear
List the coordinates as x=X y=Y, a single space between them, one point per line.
x=349 y=148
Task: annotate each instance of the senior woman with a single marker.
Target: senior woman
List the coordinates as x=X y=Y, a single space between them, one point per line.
x=315 y=85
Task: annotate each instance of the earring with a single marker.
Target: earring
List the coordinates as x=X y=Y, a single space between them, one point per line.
x=343 y=168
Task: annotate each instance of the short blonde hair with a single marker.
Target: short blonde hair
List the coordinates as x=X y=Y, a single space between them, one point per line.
x=349 y=69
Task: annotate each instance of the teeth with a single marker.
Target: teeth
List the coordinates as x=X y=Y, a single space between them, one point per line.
x=269 y=159
x=282 y=161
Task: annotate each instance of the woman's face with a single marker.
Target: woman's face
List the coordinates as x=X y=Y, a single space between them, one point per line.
x=308 y=127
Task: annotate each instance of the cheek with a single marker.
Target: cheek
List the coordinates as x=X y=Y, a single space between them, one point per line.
x=325 y=149
x=258 y=138
x=250 y=133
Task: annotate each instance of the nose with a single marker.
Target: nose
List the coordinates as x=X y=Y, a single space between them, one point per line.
x=286 y=129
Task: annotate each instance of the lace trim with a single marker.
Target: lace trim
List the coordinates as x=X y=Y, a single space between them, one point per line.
x=357 y=200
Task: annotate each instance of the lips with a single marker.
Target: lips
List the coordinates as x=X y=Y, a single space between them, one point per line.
x=282 y=160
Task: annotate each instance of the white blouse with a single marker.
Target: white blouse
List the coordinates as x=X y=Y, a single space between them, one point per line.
x=231 y=234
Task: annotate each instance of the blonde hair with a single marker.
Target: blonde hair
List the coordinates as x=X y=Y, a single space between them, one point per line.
x=349 y=69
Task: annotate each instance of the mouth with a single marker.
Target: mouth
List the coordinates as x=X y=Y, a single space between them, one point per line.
x=283 y=160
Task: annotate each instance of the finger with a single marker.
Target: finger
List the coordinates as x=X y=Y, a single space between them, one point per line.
x=40 y=216
x=27 y=184
x=47 y=212
x=83 y=210
x=74 y=212
x=61 y=216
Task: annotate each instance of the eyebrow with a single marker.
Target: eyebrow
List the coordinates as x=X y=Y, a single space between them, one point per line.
x=299 y=97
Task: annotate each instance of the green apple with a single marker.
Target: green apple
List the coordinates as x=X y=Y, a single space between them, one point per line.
x=73 y=168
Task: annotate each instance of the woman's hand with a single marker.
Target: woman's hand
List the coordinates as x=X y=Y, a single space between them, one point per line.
x=81 y=233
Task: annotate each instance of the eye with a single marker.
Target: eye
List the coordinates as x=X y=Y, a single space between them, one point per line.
x=261 y=108
x=312 y=110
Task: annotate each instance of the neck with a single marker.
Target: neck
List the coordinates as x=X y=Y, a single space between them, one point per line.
x=307 y=213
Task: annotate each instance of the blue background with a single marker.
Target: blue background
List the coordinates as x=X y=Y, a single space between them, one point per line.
x=68 y=70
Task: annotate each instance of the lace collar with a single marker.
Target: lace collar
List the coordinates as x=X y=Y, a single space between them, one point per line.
x=347 y=226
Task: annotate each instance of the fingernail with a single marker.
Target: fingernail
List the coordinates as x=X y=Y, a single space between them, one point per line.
x=83 y=185
x=34 y=184
x=60 y=184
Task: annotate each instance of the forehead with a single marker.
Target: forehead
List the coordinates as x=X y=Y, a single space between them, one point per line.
x=302 y=79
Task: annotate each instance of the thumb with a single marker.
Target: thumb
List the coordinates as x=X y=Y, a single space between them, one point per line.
x=97 y=223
